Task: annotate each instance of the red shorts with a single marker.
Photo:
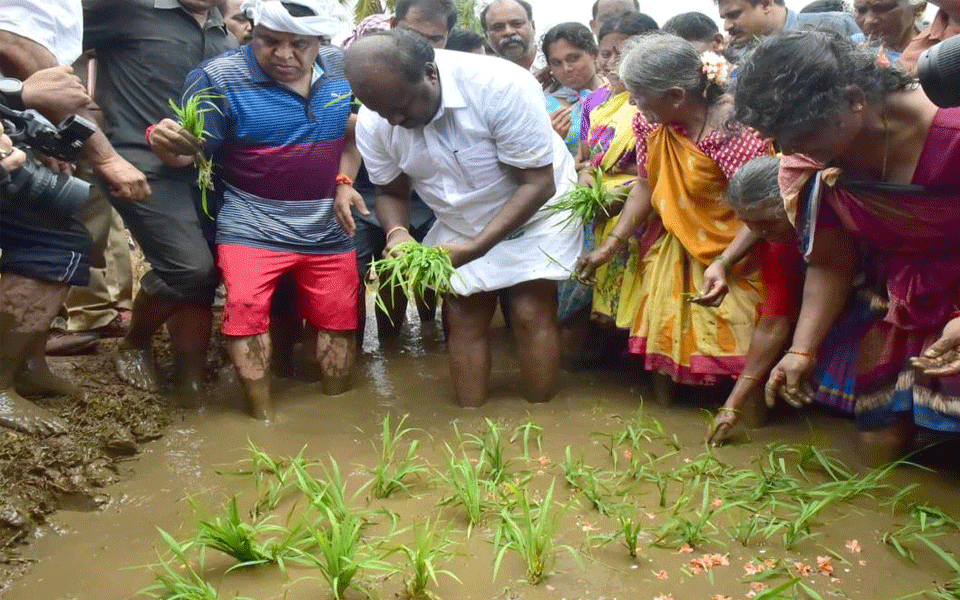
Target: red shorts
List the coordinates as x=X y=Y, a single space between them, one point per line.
x=327 y=288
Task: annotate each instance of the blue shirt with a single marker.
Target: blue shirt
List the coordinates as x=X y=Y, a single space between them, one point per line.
x=279 y=153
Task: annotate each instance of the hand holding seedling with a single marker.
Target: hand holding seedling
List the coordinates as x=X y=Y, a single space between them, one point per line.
x=714 y=288
x=172 y=138
x=460 y=254
x=789 y=379
x=588 y=264
x=721 y=426
x=942 y=358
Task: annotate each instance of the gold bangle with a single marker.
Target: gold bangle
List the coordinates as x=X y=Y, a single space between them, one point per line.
x=394 y=230
x=750 y=377
x=799 y=353
x=619 y=238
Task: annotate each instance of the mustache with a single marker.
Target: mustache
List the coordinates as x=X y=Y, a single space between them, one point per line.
x=513 y=39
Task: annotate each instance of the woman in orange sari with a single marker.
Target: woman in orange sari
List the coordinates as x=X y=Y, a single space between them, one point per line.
x=686 y=153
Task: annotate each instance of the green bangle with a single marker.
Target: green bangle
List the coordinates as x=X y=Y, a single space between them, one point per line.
x=722 y=260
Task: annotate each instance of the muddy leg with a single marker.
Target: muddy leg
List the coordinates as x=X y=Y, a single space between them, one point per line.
x=251 y=357
x=336 y=353
x=468 y=343
x=134 y=357
x=35 y=378
x=663 y=389
x=884 y=446
x=533 y=313
x=27 y=306
x=389 y=323
x=577 y=350
x=189 y=329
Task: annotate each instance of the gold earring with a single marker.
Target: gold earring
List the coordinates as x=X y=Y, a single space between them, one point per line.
x=857 y=107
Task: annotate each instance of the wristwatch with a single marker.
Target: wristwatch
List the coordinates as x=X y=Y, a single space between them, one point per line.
x=11 y=93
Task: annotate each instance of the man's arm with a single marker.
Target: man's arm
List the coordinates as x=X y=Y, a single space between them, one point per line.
x=22 y=58
x=536 y=187
x=393 y=211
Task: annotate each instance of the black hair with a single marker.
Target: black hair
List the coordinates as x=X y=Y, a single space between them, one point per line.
x=440 y=8
x=596 y=7
x=627 y=23
x=755 y=183
x=756 y=2
x=298 y=10
x=464 y=40
x=409 y=54
x=823 y=6
x=796 y=81
x=526 y=6
x=692 y=26
x=577 y=34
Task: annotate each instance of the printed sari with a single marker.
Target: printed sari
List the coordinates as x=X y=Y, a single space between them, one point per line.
x=690 y=227
x=912 y=237
x=613 y=148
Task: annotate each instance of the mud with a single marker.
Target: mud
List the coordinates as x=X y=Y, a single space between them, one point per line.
x=104 y=544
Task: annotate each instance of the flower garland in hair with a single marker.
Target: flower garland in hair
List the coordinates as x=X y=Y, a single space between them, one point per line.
x=715 y=67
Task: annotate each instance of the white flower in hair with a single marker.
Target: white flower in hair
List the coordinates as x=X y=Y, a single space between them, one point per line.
x=715 y=67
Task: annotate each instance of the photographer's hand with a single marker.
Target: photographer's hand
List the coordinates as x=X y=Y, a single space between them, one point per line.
x=125 y=180
x=55 y=92
x=11 y=158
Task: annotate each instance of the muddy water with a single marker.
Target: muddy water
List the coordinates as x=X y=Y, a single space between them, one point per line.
x=102 y=555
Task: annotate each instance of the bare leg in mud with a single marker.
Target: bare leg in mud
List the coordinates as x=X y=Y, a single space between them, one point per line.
x=468 y=344
x=27 y=306
x=533 y=314
x=884 y=446
x=251 y=357
x=336 y=353
x=189 y=326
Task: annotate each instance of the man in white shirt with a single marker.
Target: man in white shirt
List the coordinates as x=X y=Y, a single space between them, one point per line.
x=471 y=135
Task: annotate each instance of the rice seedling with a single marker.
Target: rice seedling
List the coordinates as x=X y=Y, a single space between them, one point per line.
x=926 y=524
x=341 y=556
x=640 y=430
x=231 y=534
x=693 y=527
x=192 y=118
x=530 y=535
x=429 y=547
x=584 y=203
x=413 y=269
x=395 y=467
x=798 y=527
x=490 y=444
x=573 y=470
x=329 y=492
x=469 y=488
x=177 y=579
x=525 y=433
x=628 y=532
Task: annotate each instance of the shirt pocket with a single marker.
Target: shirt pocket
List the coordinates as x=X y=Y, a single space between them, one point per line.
x=478 y=166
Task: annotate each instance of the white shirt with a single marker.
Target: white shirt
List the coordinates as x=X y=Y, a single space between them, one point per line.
x=56 y=25
x=491 y=115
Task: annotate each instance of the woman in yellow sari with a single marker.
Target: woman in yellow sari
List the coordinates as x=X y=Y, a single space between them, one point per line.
x=686 y=152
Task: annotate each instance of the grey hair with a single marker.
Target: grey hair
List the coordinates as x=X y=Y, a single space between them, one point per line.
x=755 y=183
x=660 y=61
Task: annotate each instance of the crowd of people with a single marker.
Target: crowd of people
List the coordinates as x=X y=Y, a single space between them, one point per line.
x=782 y=214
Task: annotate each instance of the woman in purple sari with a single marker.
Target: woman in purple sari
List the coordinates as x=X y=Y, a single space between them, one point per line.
x=871 y=165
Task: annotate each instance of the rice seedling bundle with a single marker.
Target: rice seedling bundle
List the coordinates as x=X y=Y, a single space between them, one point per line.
x=584 y=203
x=192 y=118
x=412 y=269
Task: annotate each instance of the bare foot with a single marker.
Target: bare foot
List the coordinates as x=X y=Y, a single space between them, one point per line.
x=136 y=367
x=23 y=415
x=35 y=379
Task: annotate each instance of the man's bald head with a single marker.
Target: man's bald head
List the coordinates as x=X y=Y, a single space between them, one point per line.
x=393 y=74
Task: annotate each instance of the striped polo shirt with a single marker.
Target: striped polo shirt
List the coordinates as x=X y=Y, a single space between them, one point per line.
x=278 y=152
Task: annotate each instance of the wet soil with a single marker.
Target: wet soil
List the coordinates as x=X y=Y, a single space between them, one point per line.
x=112 y=552
x=108 y=426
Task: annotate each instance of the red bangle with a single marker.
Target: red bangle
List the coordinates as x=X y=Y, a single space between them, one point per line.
x=344 y=180
x=148 y=132
x=799 y=353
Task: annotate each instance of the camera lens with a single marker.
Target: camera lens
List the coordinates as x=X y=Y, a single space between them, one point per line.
x=939 y=72
x=41 y=189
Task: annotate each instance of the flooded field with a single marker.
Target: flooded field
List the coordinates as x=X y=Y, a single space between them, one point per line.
x=765 y=518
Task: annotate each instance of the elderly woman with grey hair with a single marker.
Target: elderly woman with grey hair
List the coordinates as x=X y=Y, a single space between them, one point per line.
x=686 y=153
x=892 y=23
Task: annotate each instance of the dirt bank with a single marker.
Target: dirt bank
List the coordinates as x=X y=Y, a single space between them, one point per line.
x=107 y=427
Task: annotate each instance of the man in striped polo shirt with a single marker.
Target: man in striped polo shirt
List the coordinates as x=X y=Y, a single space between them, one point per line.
x=282 y=133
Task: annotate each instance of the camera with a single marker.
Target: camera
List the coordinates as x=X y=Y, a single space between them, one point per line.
x=37 y=187
x=939 y=73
